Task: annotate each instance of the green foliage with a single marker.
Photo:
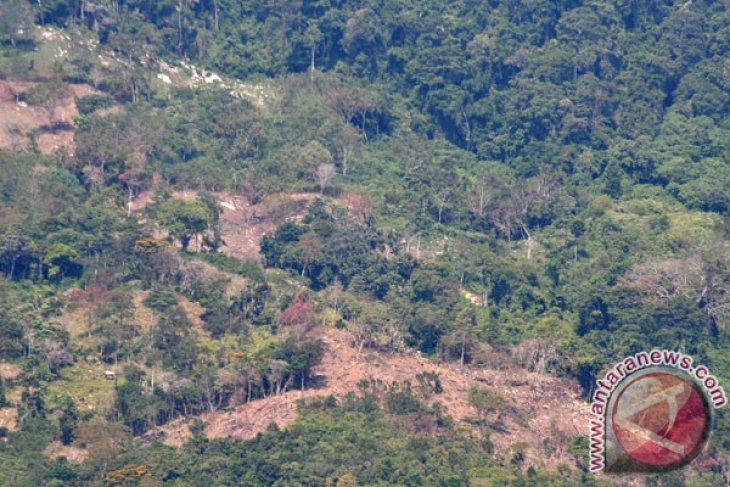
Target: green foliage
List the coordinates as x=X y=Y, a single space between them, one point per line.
x=613 y=182
x=400 y=400
x=300 y=356
x=186 y=219
x=330 y=441
x=115 y=321
x=87 y=105
x=23 y=462
x=172 y=340
x=49 y=96
x=161 y=299
x=244 y=268
x=136 y=408
x=62 y=261
x=11 y=328
x=485 y=401
x=327 y=248
x=67 y=423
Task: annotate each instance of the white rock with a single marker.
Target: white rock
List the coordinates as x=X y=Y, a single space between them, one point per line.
x=213 y=78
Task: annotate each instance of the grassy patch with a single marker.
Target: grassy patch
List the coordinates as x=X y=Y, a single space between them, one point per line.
x=86 y=385
x=225 y=263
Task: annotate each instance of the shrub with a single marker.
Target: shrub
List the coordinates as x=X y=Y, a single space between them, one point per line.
x=91 y=103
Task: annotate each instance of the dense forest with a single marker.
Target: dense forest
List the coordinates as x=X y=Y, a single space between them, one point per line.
x=193 y=193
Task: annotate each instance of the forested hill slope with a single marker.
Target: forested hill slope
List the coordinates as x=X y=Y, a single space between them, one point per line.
x=570 y=83
x=193 y=193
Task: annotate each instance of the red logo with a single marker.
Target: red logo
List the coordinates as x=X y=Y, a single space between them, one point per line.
x=661 y=420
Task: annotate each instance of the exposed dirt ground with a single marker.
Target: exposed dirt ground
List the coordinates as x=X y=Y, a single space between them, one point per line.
x=9 y=371
x=9 y=415
x=144 y=317
x=537 y=406
x=243 y=225
x=75 y=319
x=18 y=119
x=9 y=418
x=56 y=449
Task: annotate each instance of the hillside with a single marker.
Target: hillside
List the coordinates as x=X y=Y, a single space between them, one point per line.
x=529 y=418
x=347 y=243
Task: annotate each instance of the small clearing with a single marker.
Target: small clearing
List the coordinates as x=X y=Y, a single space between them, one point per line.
x=9 y=418
x=9 y=371
x=19 y=121
x=243 y=224
x=56 y=450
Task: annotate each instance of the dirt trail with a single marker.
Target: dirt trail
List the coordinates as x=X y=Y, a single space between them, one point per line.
x=537 y=406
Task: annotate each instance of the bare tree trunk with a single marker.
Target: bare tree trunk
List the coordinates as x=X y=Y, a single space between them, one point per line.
x=179 y=27
x=345 y=160
x=363 y=117
x=463 y=348
x=468 y=130
x=528 y=237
